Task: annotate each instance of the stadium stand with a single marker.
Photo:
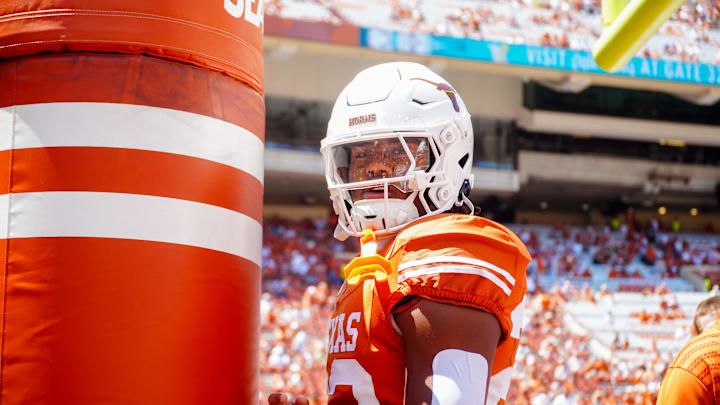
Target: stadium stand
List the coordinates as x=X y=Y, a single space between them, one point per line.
x=584 y=341
x=692 y=34
x=621 y=260
x=585 y=347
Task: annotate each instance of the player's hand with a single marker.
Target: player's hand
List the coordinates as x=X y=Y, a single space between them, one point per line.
x=283 y=399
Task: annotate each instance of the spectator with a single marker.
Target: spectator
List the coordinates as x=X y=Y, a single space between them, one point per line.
x=693 y=375
x=706 y=314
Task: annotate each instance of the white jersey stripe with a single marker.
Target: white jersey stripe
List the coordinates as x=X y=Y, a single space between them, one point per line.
x=517 y=316
x=131 y=126
x=130 y=216
x=455 y=270
x=498 y=386
x=458 y=259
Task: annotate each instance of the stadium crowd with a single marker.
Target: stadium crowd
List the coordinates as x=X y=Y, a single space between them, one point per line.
x=298 y=254
x=293 y=343
x=692 y=35
x=625 y=251
x=555 y=365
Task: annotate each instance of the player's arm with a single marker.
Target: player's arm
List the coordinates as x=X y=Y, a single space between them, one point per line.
x=449 y=352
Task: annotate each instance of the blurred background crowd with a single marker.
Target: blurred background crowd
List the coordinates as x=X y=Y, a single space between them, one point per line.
x=692 y=35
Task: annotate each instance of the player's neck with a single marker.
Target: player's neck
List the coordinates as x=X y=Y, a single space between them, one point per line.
x=377 y=246
x=384 y=242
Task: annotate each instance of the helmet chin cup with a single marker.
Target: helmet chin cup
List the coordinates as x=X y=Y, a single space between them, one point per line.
x=371 y=213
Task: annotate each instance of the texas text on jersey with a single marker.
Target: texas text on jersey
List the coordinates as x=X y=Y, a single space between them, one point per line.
x=450 y=258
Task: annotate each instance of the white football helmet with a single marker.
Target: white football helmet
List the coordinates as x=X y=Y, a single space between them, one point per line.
x=398 y=147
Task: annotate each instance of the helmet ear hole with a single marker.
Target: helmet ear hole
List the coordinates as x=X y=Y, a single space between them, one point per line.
x=464 y=160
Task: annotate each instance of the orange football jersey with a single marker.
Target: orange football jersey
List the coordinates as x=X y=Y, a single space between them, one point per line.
x=693 y=378
x=451 y=258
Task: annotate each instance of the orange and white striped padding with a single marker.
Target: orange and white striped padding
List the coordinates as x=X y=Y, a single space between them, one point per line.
x=131 y=182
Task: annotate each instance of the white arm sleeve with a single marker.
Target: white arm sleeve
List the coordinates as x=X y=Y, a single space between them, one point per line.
x=459 y=378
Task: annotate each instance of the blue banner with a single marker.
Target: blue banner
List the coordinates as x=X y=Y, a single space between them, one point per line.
x=535 y=56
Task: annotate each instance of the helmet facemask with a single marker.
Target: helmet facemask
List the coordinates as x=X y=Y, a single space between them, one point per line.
x=381 y=181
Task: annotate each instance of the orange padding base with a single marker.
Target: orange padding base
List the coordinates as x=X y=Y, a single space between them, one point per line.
x=90 y=320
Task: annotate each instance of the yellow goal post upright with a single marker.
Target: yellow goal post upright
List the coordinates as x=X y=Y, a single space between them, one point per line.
x=628 y=26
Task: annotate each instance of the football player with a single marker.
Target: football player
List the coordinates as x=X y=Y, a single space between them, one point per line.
x=431 y=311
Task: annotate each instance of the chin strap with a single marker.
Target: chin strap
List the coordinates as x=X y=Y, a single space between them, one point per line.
x=463 y=196
x=469 y=203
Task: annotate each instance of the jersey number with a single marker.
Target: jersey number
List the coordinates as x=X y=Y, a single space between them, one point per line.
x=350 y=372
